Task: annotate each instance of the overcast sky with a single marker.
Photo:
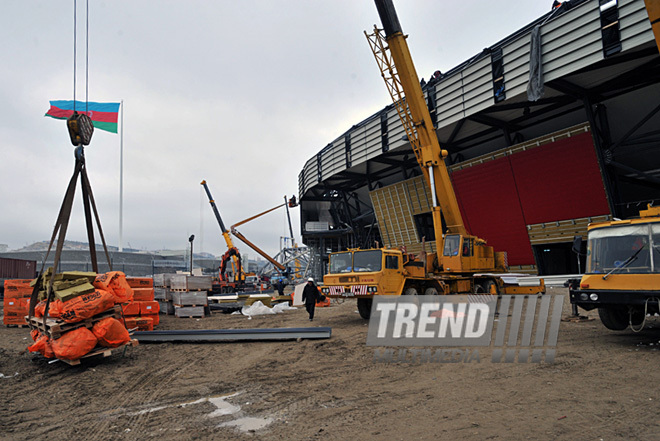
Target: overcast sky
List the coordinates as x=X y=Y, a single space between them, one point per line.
x=240 y=93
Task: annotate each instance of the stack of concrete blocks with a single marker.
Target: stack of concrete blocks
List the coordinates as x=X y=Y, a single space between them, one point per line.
x=190 y=295
x=163 y=294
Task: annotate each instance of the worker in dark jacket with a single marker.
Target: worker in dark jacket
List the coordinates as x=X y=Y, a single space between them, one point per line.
x=310 y=296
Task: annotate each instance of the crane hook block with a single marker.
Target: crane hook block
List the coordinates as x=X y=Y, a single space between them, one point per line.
x=80 y=128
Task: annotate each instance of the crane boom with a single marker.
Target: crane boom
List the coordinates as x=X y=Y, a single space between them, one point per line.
x=398 y=71
x=236 y=264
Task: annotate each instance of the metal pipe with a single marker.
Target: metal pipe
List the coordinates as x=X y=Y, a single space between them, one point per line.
x=227 y=335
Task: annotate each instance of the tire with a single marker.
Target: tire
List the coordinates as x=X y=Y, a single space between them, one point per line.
x=410 y=291
x=431 y=292
x=364 y=308
x=487 y=286
x=614 y=318
x=478 y=289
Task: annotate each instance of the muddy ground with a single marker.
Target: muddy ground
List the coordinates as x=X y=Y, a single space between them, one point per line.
x=603 y=385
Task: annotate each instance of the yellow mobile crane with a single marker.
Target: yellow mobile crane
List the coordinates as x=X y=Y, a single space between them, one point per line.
x=231 y=253
x=463 y=263
x=622 y=278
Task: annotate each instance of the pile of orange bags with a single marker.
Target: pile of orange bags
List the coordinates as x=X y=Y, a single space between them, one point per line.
x=111 y=288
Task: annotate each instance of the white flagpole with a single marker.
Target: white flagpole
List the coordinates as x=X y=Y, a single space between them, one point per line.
x=121 y=177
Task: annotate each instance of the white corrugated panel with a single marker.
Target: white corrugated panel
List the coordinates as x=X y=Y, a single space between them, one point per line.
x=358 y=146
x=634 y=24
x=395 y=130
x=449 y=99
x=571 y=41
x=478 y=86
x=374 y=143
x=333 y=159
x=516 y=66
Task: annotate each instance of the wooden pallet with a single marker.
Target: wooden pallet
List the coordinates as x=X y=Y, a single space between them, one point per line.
x=106 y=352
x=15 y=325
x=190 y=316
x=55 y=328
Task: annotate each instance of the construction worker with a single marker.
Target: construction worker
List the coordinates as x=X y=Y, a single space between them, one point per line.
x=279 y=286
x=310 y=296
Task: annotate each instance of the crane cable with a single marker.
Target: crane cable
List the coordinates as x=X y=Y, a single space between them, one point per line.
x=75 y=51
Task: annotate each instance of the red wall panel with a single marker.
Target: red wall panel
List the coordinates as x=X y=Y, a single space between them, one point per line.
x=489 y=202
x=552 y=182
x=560 y=181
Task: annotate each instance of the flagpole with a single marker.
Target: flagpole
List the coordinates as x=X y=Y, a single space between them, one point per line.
x=121 y=178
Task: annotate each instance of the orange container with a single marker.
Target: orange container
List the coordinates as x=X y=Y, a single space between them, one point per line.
x=149 y=307
x=14 y=320
x=131 y=309
x=18 y=288
x=19 y=306
x=143 y=294
x=142 y=323
x=140 y=282
x=21 y=283
x=155 y=319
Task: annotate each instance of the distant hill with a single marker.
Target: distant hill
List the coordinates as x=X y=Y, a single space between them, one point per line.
x=71 y=245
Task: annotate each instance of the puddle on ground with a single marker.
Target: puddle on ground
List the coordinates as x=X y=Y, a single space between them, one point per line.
x=222 y=407
x=247 y=424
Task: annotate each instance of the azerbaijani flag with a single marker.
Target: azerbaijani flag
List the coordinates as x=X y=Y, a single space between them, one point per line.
x=103 y=115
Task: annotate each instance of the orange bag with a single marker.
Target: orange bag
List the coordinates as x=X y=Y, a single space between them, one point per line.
x=111 y=333
x=86 y=306
x=115 y=283
x=74 y=344
x=54 y=309
x=43 y=345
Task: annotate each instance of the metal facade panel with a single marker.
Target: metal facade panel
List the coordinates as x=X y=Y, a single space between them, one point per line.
x=634 y=24
x=358 y=145
x=449 y=99
x=395 y=130
x=477 y=86
x=572 y=41
x=372 y=136
x=333 y=159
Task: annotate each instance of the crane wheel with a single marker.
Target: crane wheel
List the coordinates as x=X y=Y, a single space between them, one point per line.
x=488 y=287
x=410 y=291
x=364 y=308
x=614 y=318
x=431 y=292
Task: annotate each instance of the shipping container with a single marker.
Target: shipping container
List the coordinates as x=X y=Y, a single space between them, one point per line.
x=17 y=268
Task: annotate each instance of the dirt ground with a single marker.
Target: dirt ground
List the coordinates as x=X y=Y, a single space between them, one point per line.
x=603 y=385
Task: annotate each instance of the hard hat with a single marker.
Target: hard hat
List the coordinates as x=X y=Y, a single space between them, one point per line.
x=310 y=280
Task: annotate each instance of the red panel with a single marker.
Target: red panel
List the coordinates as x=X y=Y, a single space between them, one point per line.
x=491 y=210
x=560 y=181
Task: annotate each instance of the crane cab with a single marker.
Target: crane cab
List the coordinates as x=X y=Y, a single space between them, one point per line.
x=463 y=254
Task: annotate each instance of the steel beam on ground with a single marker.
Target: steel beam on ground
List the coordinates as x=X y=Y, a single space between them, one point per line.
x=227 y=335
